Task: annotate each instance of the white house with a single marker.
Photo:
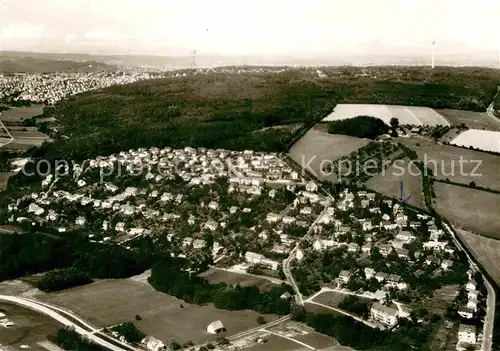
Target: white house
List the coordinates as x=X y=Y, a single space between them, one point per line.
x=34 y=208
x=216 y=327
x=273 y=218
x=153 y=344
x=345 y=276
x=386 y=315
x=80 y=221
x=369 y=273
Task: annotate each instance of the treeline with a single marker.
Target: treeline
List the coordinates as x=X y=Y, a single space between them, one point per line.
x=68 y=339
x=60 y=279
x=36 y=252
x=360 y=127
x=409 y=335
x=170 y=277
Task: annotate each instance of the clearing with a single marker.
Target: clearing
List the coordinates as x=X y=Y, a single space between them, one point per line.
x=30 y=328
x=445 y=162
x=479 y=139
x=110 y=302
x=473 y=120
x=18 y=114
x=317 y=146
x=485 y=250
x=467 y=208
x=388 y=182
x=412 y=115
x=220 y=276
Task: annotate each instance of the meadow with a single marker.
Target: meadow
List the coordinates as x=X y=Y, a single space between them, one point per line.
x=479 y=139
x=473 y=120
x=110 y=302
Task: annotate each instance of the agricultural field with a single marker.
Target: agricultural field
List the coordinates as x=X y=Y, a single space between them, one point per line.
x=275 y=343
x=219 y=276
x=316 y=146
x=468 y=208
x=444 y=160
x=412 y=115
x=479 y=139
x=388 y=182
x=110 y=302
x=485 y=250
x=473 y=120
x=30 y=328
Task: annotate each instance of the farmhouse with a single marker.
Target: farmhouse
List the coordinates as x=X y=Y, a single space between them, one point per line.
x=216 y=328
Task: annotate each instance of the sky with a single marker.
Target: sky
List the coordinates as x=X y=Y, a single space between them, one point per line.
x=240 y=27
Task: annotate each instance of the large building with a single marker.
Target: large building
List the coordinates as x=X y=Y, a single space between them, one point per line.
x=383 y=314
x=216 y=328
x=467 y=334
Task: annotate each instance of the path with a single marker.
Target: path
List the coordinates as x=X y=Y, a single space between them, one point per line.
x=291 y=339
x=7 y=131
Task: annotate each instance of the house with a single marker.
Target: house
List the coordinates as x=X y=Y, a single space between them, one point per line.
x=299 y=255
x=288 y=219
x=405 y=236
x=385 y=249
x=211 y=225
x=353 y=247
x=402 y=253
x=466 y=312
x=80 y=221
x=344 y=276
x=153 y=344
x=471 y=285
x=306 y=211
x=120 y=227
x=381 y=276
x=286 y=296
x=213 y=205
x=467 y=334
x=472 y=303
x=446 y=264
x=34 y=208
x=311 y=187
x=273 y=218
x=216 y=328
x=366 y=247
x=386 y=315
x=233 y=209
x=472 y=294
x=199 y=244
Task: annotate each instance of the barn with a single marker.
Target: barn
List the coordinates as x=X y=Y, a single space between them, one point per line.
x=216 y=328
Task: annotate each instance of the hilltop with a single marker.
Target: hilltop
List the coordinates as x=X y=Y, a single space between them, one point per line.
x=233 y=108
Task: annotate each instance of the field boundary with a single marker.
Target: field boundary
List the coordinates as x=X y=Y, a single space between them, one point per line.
x=479 y=188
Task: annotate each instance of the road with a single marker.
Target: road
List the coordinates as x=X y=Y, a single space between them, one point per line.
x=8 y=133
x=287 y=262
x=490 y=300
x=53 y=312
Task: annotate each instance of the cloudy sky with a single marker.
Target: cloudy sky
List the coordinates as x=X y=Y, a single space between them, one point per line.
x=246 y=27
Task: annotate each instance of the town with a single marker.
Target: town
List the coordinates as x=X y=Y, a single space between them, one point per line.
x=257 y=213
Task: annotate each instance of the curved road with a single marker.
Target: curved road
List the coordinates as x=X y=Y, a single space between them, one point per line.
x=8 y=133
x=54 y=313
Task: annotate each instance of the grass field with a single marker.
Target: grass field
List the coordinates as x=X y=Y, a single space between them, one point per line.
x=321 y=342
x=109 y=302
x=447 y=162
x=317 y=146
x=18 y=114
x=471 y=209
x=473 y=120
x=485 y=250
x=479 y=139
x=388 y=182
x=220 y=276
x=29 y=329
x=412 y=115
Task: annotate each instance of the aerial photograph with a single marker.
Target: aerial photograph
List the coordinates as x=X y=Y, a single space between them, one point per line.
x=229 y=175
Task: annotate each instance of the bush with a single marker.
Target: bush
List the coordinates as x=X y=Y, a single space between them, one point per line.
x=261 y=320
x=129 y=331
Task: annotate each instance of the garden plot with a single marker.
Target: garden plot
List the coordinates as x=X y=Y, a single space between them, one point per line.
x=413 y=115
x=479 y=139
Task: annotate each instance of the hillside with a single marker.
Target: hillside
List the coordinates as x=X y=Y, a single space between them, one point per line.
x=43 y=65
x=220 y=110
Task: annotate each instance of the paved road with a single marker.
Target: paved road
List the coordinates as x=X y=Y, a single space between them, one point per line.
x=286 y=263
x=51 y=312
x=490 y=301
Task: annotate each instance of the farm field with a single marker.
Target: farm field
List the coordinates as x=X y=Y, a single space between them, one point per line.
x=275 y=343
x=471 y=209
x=29 y=329
x=445 y=162
x=18 y=114
x=480 y=139
x=388 y=182
x=413 y=115
x=317 y=146
x=219 y=276
x=322 y=342
x=473 y=120
x=109 y=302
x=485 y=250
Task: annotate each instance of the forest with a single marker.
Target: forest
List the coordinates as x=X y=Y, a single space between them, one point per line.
x=243 y=111
x=360 y=127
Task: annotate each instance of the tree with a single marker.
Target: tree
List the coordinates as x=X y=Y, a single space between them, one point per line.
x=299 y=313
x=261 y=320
x=137 y=317
x=472 y=184
x=394 y=123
